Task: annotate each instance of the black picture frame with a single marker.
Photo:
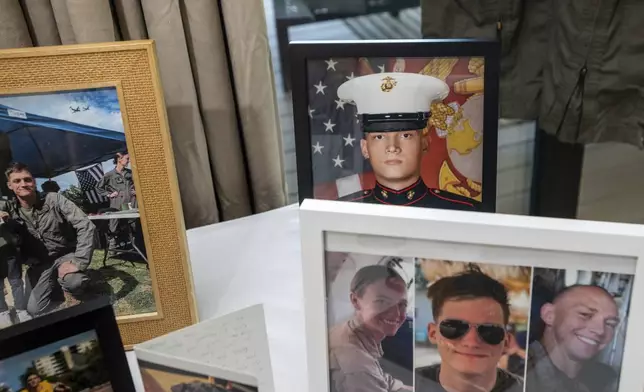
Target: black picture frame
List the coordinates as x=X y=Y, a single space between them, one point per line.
x=96 y=315
x=302 y=51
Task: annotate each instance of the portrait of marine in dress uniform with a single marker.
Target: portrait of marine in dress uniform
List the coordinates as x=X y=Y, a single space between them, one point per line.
x=355 y=104
x=394 y=109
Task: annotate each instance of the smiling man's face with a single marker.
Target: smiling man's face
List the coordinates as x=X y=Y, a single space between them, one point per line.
x=583 y=320
x=382 y=308
x=22 y=183
x=469 y=355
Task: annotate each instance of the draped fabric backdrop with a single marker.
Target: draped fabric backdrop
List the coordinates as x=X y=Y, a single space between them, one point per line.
x=223 y=120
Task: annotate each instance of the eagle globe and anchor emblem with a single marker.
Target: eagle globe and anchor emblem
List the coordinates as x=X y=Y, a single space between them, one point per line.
x=388 y=83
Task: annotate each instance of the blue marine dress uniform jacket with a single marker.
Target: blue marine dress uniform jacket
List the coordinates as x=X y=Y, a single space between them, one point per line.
x=416 y=195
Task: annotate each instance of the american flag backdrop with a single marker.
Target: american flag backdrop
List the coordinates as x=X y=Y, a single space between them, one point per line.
x=338 y=166
x=88 y=178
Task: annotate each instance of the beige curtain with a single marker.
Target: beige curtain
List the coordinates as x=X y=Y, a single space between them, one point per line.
x=224 y=123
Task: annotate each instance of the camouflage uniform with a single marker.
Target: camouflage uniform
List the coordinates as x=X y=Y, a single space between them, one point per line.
x=122 y=182
x=50 y=233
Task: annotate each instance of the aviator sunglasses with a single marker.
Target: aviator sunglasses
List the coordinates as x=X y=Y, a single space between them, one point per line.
x=455 y=329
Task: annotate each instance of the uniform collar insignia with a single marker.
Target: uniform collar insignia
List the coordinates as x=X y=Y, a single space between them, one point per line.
x=406 y=196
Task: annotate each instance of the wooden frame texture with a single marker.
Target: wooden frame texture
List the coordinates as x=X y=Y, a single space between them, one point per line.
x=130 y=67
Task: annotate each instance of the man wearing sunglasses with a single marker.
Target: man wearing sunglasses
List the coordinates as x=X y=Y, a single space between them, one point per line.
x=470 y=311
x=577 y=325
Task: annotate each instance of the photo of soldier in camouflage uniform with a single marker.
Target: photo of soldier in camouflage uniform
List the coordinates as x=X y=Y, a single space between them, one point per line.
x=118 y=186
x=70 y=228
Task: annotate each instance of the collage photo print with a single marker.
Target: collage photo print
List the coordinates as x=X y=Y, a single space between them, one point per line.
x=417 y=324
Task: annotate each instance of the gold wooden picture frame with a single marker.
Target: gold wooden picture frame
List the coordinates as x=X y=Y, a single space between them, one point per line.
x=128 y=71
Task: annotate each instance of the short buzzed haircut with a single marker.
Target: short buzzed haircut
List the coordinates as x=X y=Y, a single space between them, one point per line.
x=15 y=167
x=573 y=287
x=472 y=283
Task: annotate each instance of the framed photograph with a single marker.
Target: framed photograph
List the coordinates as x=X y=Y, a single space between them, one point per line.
x=405 y=299
x=410 y=122
x=162 y=373
x=90 y=202
x=76 y=349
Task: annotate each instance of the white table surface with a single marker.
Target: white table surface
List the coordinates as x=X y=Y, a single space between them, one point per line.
x=116 y=215
x=249 y=261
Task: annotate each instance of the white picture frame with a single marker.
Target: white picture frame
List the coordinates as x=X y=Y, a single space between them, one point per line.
x=503 y=239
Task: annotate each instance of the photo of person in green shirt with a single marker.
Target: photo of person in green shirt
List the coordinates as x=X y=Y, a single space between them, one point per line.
x=578 y=329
